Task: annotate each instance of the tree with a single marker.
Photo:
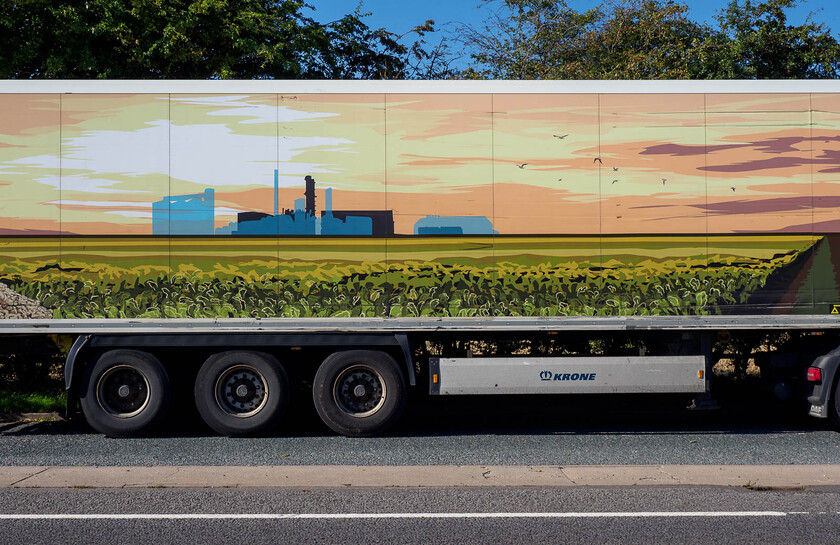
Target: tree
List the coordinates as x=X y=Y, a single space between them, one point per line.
x=756 y=41
x=192 y=39
x=646 y=39
x=546 y=39
x=529 y=39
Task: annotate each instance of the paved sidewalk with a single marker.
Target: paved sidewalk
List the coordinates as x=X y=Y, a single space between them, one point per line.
x=755 y=477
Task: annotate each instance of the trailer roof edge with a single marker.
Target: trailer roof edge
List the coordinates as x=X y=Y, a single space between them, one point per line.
x=422 y=86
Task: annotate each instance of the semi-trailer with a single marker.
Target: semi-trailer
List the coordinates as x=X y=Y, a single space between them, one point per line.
x=236 y=243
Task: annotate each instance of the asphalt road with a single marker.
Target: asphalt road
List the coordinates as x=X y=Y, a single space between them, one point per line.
x=441 y=431
x=448 y=515
x=464 y=431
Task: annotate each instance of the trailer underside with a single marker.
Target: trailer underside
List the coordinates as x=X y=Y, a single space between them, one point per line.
x=124 y=375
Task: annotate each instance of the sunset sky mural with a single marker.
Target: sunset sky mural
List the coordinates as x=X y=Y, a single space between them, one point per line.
x=530 y=163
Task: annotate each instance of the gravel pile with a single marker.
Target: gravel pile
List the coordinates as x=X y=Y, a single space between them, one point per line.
x=14 y=305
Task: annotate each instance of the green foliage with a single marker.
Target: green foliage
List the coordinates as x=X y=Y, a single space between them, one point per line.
x=521 y=39
x=193 y=39
x=647 y=39
x=18 y=402
x=31 y=364
x=418 y=289
x=756 y=41
x=546 y=39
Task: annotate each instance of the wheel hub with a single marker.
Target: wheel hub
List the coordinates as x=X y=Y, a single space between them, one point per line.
x=122 y=391
x=241 y=391
x=359 y=391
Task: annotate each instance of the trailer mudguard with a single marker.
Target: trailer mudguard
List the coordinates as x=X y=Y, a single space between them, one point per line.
x=69 y=373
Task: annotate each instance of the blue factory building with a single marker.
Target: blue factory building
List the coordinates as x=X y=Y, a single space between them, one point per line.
x=295 y=223
x=195 y=215
x=303 y=220
x=343 y=223
x=454 y=225
x=184 y=214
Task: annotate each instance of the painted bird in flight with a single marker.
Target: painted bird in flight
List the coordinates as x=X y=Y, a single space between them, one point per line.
x=615 y=169
x=560 y=136
x=597 y=160
x=664 y=180
x=522 y=165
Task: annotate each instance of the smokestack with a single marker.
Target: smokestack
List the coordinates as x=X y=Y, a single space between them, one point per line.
x=310 y=196
x=328 y=200
x=276 y=195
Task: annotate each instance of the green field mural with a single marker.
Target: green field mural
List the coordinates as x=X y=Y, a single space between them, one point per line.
x=194 y=277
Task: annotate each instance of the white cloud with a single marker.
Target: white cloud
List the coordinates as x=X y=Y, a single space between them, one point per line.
x=104 y=204
x=258 y=112
x=225 y=211
x=215 y=156
x=85 y=184
x=130 y=213
x=39 y=161
x=121 y=153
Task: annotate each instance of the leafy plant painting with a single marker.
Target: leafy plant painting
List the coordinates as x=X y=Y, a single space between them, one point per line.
x=526 y=283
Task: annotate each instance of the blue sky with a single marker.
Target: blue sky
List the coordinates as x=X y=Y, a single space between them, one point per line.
x=400 y=16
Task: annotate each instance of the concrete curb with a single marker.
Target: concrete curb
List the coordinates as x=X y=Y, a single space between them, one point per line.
x=768 y=477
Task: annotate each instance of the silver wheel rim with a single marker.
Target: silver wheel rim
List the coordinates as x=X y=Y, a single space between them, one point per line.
x=123 y=391
x=359 y=391
x=241 y=391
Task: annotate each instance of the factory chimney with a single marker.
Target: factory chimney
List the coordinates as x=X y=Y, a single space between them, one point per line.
x=310 y=196
x=276 y=195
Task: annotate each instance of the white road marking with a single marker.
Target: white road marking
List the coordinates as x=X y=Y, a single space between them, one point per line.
x=349 y=516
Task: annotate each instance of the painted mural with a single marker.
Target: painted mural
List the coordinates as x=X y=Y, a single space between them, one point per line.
x=279 y=205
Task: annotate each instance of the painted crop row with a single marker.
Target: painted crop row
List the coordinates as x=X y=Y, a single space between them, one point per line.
x=134 y=277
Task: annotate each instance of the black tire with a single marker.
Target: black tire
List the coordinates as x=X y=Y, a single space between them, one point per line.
x=125 y=393
x=359 y=393
x=241 y=393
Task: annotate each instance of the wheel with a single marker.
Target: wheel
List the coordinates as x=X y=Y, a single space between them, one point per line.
x=359 y=393
x=241 y=393
x=125 y=393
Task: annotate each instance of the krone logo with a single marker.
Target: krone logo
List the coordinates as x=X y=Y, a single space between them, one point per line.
x=546 y=375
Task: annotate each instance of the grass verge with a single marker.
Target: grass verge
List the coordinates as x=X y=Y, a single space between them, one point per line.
x=32 y=402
